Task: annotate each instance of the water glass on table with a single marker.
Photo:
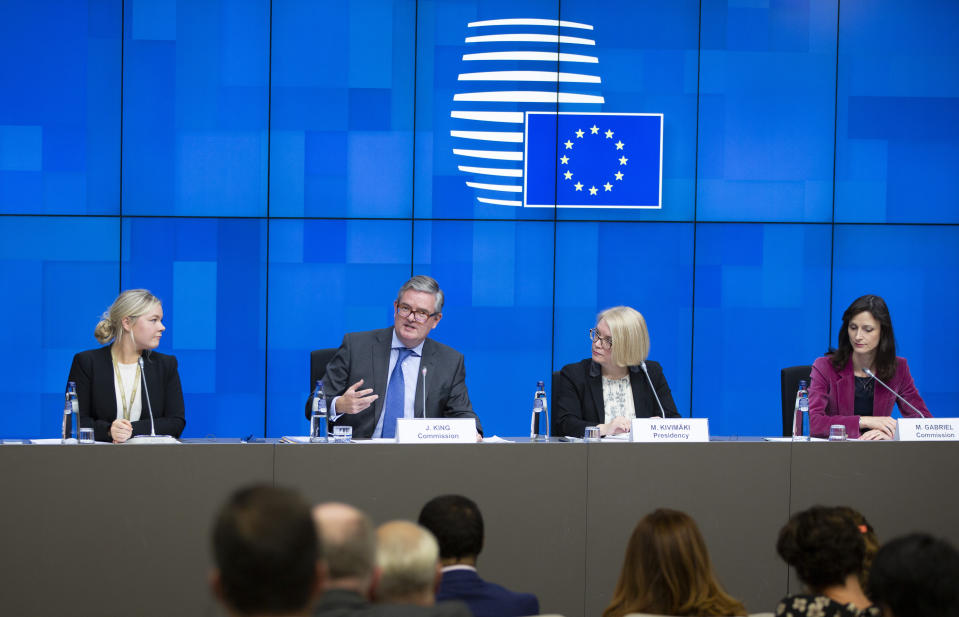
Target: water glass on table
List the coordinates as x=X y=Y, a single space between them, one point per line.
x=342 y=434
x=837 y=432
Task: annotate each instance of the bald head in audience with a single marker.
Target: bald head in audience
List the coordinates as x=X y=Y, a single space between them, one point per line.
x=407 y=557
x=349 y=543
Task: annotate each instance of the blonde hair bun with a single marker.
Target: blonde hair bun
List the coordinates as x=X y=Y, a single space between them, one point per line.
x=105 y=331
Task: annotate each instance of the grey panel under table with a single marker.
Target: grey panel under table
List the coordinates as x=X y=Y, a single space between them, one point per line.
x=736 y=492
x=103 y=529
x=531 y=497
x=900 y=487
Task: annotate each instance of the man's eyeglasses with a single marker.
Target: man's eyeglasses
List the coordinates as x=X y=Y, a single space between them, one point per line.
x=604 y=342
x=419 y=315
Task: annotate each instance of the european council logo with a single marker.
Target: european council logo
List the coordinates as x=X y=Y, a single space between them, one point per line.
x=531 y=129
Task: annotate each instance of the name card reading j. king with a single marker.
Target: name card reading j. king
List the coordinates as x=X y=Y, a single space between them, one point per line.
x=928 y=429
x=670 y=429
x=435 y=430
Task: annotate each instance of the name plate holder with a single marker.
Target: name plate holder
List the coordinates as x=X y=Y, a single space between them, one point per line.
x=686 y=430
x=435 y=430
x=927 y=429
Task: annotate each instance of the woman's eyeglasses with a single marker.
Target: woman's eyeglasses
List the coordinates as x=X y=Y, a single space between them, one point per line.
x=604 y=342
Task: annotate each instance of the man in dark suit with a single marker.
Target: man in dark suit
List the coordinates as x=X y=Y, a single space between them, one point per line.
x=269 y=560
x=377 y=376
x=458 y=526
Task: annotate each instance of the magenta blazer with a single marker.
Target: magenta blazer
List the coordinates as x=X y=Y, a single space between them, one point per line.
x=832 y=397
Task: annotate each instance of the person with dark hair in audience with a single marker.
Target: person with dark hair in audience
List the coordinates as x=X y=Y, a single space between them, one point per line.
x=827 y=549
x=869 y=538
x=457 y=524
x=667 y=571
x=916 y=576
x=407 y=557
x=267 y=554
x=349 y=543
x=843 y=392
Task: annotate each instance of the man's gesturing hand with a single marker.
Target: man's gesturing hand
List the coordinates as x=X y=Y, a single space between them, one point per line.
x=355 y=401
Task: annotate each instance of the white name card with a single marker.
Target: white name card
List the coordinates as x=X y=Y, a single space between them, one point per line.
x=670 y=429
x=436 y=430
x=928 y=429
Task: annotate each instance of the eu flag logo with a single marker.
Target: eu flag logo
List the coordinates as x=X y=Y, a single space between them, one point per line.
x=593 y=160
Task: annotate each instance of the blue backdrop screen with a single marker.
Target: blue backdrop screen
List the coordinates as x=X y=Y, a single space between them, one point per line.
x=274 y=171
x=60 y=109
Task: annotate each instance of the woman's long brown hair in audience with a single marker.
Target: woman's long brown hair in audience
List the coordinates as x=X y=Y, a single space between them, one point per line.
x=667 y=571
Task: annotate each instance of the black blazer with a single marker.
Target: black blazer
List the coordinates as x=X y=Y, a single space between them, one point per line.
x=578 y=396
x=92 y=371
x=366 y=356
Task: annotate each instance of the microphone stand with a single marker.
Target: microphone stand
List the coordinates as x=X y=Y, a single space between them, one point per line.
x=424 y=391
x=152 y=438
x=662 y=412
x=883 y=384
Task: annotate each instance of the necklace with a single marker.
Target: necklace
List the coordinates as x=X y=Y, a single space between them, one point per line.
x=133 y=390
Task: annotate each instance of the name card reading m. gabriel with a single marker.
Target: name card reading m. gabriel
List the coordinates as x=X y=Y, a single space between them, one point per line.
x=436 y=430
x=928 y=429
x=670 y=429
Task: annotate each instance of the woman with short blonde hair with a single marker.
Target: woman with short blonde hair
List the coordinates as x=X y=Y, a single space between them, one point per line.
x=627 y=326
x=111 y=380
x=614 y=385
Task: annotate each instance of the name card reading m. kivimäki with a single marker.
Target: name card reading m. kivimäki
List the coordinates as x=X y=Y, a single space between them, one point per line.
x=670 y=429
x=436 y=430
x=928 y=429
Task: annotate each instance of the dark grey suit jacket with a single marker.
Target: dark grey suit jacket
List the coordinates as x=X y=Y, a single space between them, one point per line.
x=366 y=356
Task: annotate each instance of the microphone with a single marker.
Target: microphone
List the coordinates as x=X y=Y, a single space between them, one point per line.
x=152 y=437
x=873 y=375
x=143 y=378
x=662 y=412
x=423 y=372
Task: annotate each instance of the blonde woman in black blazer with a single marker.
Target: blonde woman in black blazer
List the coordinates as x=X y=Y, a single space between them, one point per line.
x=110 y=380
x=619 y=350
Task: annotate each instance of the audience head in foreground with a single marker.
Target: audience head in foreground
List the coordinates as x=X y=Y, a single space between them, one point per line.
x=916 y=576
x=349 y=546
x=457 y=524
x=827 y=549
x=268 y=559
x=407 y=557
x=667 y=571
x=869 y=538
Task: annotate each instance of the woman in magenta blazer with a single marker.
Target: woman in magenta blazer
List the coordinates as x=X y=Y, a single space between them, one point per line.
x=842 y=393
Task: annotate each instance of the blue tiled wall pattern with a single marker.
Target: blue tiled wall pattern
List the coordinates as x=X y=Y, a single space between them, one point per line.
x=273 y=171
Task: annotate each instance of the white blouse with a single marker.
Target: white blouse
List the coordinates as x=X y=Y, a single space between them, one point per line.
x=129 y=374
x=618 y=399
